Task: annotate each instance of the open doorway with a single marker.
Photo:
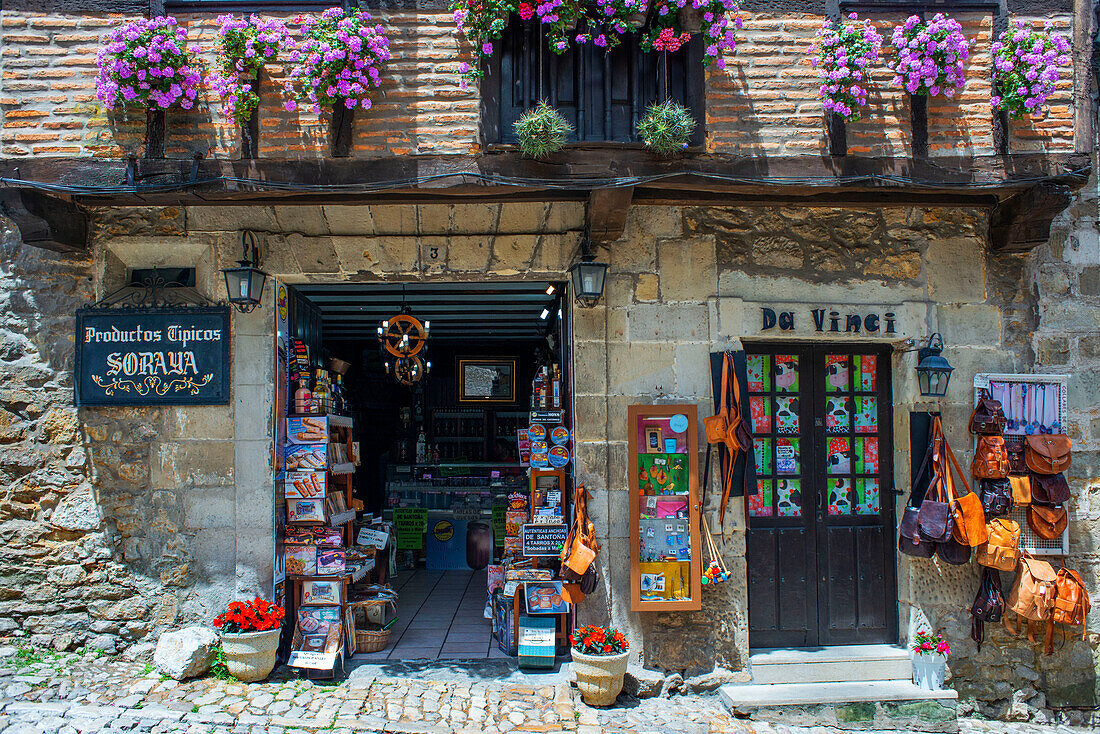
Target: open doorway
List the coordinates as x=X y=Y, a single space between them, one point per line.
x=443 y=451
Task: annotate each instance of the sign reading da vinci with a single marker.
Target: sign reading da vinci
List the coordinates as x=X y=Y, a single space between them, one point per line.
x=152 y=356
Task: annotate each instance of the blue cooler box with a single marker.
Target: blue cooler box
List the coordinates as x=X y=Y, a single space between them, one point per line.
x=446 y=542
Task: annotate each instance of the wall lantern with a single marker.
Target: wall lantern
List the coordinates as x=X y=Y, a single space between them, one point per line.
x=933 y=371
x=587 y=278
x=244 y=285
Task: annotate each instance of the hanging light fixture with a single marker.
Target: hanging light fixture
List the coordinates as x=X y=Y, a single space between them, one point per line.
x=403 y=341
x=587 y=278
x=933 y=371
x=244 y=285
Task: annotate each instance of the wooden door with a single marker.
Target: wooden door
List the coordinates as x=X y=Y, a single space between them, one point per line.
x=820 y=543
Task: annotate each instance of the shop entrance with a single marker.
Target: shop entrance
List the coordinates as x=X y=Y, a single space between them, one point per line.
x=445 y=477
x=820 y=543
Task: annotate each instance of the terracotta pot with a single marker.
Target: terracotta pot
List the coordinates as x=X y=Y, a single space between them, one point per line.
x=599 y=677
x=691 y=19
x=251 y=656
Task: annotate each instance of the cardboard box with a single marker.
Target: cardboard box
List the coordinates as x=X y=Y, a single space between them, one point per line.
x=301 y=560
x=307 y=457
x=305 y=510
x=536 y=644
x=307 y=429
x=330 y=561
x=306 y=484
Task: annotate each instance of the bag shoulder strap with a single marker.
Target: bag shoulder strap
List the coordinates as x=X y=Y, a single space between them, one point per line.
x=723 y=405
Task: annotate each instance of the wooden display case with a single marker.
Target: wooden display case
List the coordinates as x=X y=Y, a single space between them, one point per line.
x=666 y=558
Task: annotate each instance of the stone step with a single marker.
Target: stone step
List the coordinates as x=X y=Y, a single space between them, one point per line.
x=852 y=705
x=830 y=664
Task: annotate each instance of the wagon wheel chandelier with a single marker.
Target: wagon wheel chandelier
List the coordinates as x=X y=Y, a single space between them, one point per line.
x=403 y=341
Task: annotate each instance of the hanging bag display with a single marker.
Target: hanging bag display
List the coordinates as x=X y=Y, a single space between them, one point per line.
x=1047 y=522
x=987 y=418
x=1001 y=549
x=988 y=606
x=580 y=547
x=729 y=428
x=969 y=530
x=1049 y=489
x=990 y=458
x=910 y=541
x=1048 y=453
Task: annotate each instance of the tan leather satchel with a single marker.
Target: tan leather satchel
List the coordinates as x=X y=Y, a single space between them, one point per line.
x=1048 y=453
x=1032 y=595
x=1021 y=489
x=1001 y=549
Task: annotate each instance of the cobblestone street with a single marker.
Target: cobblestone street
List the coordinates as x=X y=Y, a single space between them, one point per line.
x=65 y=693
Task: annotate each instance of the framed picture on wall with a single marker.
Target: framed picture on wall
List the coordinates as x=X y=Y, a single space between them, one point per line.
x=486 y=380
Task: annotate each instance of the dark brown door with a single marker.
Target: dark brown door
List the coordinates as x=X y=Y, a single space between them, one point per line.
x=820 y=540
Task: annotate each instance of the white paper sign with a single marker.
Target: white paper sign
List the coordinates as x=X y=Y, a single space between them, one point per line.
x=536 y=636
x=312 y=660
x=377 y=538
x=545 y=519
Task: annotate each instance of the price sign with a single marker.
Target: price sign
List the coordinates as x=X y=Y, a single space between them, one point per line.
x=543 y=540
x=377 y=538
x=409 y=525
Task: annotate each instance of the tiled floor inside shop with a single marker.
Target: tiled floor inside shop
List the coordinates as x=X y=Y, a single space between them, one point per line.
x=440 y=616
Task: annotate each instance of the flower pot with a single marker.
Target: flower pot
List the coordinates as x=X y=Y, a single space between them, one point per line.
x=691 y=19
x=599 y=677
x=250 y=656
x=929 y=671
x=637 y=19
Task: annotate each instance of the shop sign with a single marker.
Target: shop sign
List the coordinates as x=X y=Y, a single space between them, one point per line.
x=152 y=356
x=543 y=540
x=409 y=525
x=312 y=660
x=830 y=320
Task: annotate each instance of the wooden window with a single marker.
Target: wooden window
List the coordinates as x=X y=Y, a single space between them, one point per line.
x=602 y=93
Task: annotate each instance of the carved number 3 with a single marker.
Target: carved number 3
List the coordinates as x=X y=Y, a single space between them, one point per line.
x=433 y=253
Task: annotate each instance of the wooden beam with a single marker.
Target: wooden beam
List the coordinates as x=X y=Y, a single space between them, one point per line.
x=605 y=213
x=45 y=221
x=1023 y=221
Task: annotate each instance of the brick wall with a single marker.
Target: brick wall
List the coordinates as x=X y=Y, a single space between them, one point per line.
x=763 y=103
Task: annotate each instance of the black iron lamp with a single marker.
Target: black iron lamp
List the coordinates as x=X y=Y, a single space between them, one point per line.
x=244 y=285
x=587 y=278
x=933 y=371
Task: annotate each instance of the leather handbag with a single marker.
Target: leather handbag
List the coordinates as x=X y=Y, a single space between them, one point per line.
x=731 y=429
x=1016 y=462
x=909 y=539
x=1071 y=604
x=1021 y=489
x=988 y=606
x=953 y=552
x=1048 y=453
x=987 y=418
x=1047 y=522
x=1049 y=489
x=1002 y=550
x=997 y=500
x=1032 y=594
x=970 y=521
x=990 y=459
x=936 y=518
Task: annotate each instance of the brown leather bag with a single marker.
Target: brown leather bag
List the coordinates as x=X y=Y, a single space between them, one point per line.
x=987 y=418
x=970 y=521
x=1002 y=548
x=1048 y=453
x=1071 y=605
x=1021 y=489
x=730 y=428
x=990 y=459
x=1032 y=595
x=1047 y=522
x=1016 y=462
x=1049 y=489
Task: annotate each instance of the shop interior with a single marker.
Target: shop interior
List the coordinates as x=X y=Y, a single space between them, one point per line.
x=439 y=459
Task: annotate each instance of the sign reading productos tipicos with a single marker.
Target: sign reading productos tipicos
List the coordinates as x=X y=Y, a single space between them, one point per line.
x=152 y=356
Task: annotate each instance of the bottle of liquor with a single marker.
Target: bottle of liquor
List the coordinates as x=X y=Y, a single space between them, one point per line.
x=303 y=398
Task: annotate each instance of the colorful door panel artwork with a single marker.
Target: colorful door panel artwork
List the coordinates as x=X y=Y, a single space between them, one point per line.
x=820 y=522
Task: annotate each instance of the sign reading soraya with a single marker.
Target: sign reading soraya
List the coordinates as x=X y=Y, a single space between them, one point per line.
x=153 y=356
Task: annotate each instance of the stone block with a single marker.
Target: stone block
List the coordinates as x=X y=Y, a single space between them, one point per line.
x=688 y=269
x=633 y=253
x=599 y=323
x=389 y=255
x=654 y=221
x=645 y=289
x=231 y=218
x=512 y=254
x=468 y=254
x=187 y=653
x=955 y=269
x=192 y=463
x=253 y=362
x=709 y=681
x=1088 y=281
x=970 y=324
x=591 y=418
x=642 y=683
x=252 y=412
x=642 y=369
x=1088 y=347
x=1052 y=350
x=59 y=425
x=315 y=255
x=554 y=253
x=692 y=364
x=519 y=217
x=308 y=220
x=198 y=422
x=77 y=511
x=209 y=508
x=470 y=219
x=665 y=323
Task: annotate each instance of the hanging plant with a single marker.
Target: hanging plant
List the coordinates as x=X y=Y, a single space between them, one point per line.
x=666 y=127
x=1026 y=68
x=717 y=31
x=244 y=47
x=338 y=58
x=148 y=63
x=841 y=54
x=930 y=56
x=484 y=21
x=559 y=18
x=542 y=130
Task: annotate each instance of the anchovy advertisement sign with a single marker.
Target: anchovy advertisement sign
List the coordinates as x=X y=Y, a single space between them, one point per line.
x=152 y=356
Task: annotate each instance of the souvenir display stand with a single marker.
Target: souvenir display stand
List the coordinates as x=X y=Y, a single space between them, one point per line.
x=320 y=457
x=665 y=562
x=1032 y=404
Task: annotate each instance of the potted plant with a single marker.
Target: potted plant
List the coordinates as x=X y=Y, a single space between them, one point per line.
x=666 y=127
x=250 y=638
x=244 y=48
x=484 y=21
x=841 y=53
x=542 y=130
x=599 y=661
x=930 y=651
x=1026 y=68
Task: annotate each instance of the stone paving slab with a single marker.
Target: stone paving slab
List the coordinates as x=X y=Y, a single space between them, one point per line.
x=68 y=693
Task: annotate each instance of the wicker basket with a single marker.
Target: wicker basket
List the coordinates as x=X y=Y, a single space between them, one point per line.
x=371 y=640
